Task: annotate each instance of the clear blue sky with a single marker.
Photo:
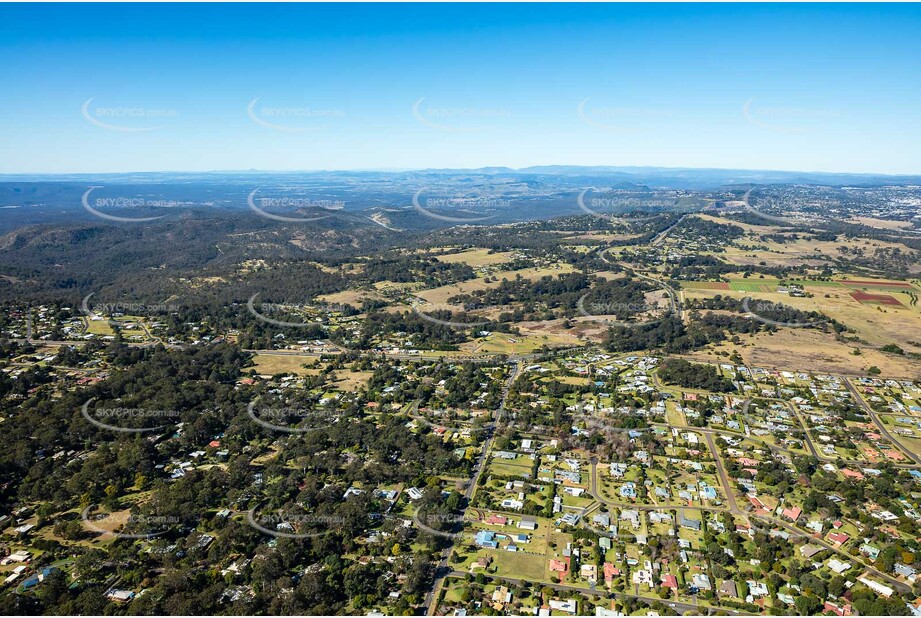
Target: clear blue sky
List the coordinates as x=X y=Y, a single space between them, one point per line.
x=795 y=87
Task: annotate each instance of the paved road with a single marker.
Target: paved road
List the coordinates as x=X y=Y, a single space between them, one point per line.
x=664 y=233
x=734 y=509
x=442 y=566
x=673 y=298
x=817 y=540
x=724 y=477
x=879 y=423
x=146 y=344
x=672 y=295
x=810 y=442
x=746 y=404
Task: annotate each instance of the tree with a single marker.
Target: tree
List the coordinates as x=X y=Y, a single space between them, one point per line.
x=807 y=605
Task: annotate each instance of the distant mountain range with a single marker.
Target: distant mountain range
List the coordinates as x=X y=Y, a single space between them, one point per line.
x=663 y=177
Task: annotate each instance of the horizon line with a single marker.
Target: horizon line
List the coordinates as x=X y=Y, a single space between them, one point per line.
x=462 y=169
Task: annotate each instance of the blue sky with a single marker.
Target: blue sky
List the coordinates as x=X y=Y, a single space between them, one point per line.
x=104 y=88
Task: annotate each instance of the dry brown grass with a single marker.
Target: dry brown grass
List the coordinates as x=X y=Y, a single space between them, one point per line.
x=440 y=295
x=350 y=297
x=351 y=381
x=803 y=349
x=476 y=257
x=878 y=325
x=270 y=364
x=881 y=223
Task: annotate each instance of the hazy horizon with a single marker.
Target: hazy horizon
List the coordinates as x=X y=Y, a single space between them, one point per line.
x=383 y=170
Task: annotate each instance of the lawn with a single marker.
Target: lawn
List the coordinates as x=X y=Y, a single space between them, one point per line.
x=271 y=364
x=754 y=286
x=507 y=467
x=99 y=327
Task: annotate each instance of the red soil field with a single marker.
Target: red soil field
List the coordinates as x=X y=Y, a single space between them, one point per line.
x=888 y=284
x=883 y=299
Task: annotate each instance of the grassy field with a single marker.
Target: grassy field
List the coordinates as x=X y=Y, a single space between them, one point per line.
x=882 y=224
x=757 y=285
x=517 y=565
x=802 y=251
x=386 y=286
x=270 y=364
x=513 y=467
x=502 y=343
x=349 y=297
x=476 y=257
x=808 y=349
x=875 y=323
x=556 y=332
x=99 y=327
x=348 y=380
x=440 y=295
